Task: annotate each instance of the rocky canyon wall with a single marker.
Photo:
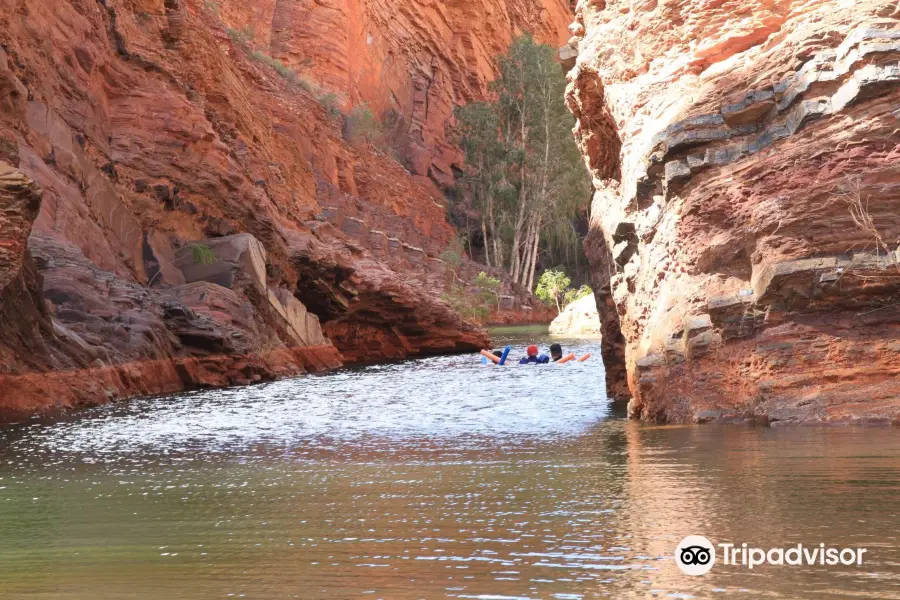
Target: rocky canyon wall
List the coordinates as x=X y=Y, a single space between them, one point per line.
x=411 y=61
x=174 y=213
x=745 y=222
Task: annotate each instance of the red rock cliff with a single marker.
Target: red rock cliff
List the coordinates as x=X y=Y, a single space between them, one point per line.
x=194 y=218
x=413 y=61
x=745 y=230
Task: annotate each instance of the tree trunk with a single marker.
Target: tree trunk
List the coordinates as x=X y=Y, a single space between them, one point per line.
x=521 y=215
x=514 y=260
x=526 y=252
x=487 y=245
x=546 y=169
x=534 y=252
x=523 y=201
x=492 y=230
x=533 y=249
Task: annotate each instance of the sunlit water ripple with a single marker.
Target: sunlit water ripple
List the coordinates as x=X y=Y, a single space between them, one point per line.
x=449 y=398
x=434 y=478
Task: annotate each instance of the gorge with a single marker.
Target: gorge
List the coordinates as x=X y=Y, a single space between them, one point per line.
x=179 y=206
x=182 y=202
x=250 y=250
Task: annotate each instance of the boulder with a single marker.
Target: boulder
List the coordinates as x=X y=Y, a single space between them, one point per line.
x=578 y=319
x=303 y=326
x=232 y=262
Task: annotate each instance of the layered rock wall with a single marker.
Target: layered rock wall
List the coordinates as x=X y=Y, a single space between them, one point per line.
x=412 y=62
x=744 y=225
x=202 y=219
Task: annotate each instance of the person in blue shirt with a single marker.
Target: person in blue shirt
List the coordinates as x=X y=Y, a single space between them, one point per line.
x=533 y=357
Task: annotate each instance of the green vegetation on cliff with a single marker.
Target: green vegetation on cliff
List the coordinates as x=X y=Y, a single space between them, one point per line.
x=524 y=176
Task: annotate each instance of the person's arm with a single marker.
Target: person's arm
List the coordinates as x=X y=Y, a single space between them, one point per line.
x=543 y=359
x=523 y=361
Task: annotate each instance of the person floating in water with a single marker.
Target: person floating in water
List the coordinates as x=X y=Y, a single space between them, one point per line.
x=533 y=357
x=555 y=352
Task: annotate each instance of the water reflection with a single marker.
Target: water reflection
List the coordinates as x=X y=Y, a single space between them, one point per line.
x=770 y=488
x=428 y=479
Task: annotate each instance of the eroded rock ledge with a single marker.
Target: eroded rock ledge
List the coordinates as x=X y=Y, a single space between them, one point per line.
x=74 y=334
x=745 y=234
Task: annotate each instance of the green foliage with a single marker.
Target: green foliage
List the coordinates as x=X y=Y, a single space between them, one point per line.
x=487 y=289
x=523 y=168
x=331 y=103
x=243 y=36
x=552 y=287
x=362 y=125
x=280 y=68
x=475 y=305
x=459 y=300
x=201 y=254
x=573 y=295
x=286 y=72
x=485 y=180
x=453 y=254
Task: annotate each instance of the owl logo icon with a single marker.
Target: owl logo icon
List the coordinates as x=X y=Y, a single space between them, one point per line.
x=695 y=555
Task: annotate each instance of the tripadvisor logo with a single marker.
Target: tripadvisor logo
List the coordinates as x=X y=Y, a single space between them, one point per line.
x=696 y=555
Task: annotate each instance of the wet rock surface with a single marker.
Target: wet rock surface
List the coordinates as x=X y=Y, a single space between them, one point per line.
x=744 y=236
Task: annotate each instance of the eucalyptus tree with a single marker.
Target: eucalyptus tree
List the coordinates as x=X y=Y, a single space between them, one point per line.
x=524 y=173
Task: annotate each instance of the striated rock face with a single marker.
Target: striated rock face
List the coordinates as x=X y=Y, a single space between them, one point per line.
x=24 y=319
x=194 y=218
x=20 y=200
x=108 y=338
x=413 y=62
x=744 y=227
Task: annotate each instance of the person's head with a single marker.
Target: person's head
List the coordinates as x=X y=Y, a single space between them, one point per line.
x=532 y=350
x=555 y=351
x=498 y=353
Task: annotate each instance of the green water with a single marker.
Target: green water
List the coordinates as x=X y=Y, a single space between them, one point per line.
x=437 y=478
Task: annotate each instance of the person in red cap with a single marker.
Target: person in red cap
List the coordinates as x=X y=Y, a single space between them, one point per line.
x=533 y=357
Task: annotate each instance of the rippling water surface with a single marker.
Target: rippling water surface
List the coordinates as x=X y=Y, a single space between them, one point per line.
x=437 y=478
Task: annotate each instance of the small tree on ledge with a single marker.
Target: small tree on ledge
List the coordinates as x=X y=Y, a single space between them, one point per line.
x=552 y=287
